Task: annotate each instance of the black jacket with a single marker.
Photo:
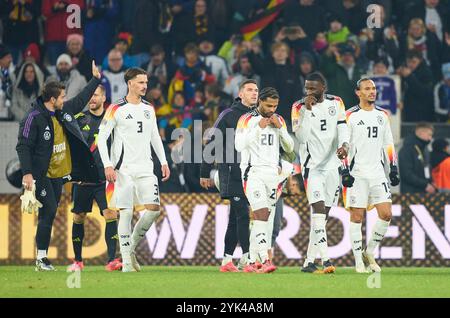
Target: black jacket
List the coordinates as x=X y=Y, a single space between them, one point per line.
x=90 y=125
x=35 y=140
x=413 y=159
x=419 y=95
x=229 y=173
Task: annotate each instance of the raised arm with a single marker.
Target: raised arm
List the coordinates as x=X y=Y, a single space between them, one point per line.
x=76 y=104
x=301 y=121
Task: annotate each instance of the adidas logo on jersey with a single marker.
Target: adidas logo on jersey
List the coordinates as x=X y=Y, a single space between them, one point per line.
x=47 y=128
x=129 y=117
x=361 y=123
x=86 y=128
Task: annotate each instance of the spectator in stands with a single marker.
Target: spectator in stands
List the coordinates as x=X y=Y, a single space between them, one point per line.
x=27 y=88
x=278 y=73
x=307 y=66
x=32 y=54
x=192 y=74
x=122 y=44
x=7 y=79
x=382 y=42
x=354 y=15
x=99 y=27
x=150 y=20
x=70 y=77
x=190 y=27
x=442 y=96
x=440 y=164
x=20 y=26
x=387 y=92
x=296 y=38
x=418 y=82
x=56 y=27
x=413 y=160
x=244 y=71
x=217 y=65
x=433 y=12
x=339 y=67
x=113 y=77
x=311 y=16
x=420 y=39
x=159 y=67
x=337 y=32
x=81 y=60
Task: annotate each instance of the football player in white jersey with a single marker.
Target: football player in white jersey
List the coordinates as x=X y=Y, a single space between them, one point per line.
x=365 y=182
x=318 y=122
x=259 y=136
x=129 y=169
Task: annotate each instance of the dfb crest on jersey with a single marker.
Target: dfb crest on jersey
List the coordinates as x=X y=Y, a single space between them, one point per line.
x=67 y=117
x=147 y=114
x=257 y=194
x=47 y=135
x=380 y=120
x=332 y=111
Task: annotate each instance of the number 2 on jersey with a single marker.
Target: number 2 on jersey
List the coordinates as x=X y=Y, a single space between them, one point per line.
x=323 y=124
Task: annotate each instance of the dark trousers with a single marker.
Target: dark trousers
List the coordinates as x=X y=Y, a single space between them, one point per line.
x=48 y=192
x=238 y=226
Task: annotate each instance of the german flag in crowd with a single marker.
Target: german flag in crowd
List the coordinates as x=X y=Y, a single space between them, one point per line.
x=263 y=19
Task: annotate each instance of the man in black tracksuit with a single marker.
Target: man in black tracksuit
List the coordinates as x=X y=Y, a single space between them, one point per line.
x=51 y=146
x=413 y=158
x=230 y=177
x=84 y=193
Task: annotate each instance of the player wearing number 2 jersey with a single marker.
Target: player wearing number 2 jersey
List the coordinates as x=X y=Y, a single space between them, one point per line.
x=319 y=124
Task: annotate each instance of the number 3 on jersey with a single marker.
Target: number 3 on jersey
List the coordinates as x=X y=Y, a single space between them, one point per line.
x=139 y=126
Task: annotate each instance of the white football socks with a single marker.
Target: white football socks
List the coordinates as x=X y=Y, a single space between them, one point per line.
x=142 y=226
x=226 y=259
x=378 y=233
x=124 y=231
x=41 y=254
x=258 y=241
x=320 y=233
x=356 y=239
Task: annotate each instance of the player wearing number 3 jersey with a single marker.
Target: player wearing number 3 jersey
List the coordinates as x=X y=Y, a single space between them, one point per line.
x=132 y=123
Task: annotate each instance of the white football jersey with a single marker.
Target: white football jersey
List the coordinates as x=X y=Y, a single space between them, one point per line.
x=261 y=147
x=320 y=132
x=134 y=132
x=370 y=142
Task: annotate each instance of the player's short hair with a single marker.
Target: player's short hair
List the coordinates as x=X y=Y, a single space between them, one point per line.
x=424 y=125
x=131 y=73
x=411 y=54
x=316 y=77
x=102 y=88
x=268 y=92
x=52 y=89
x=278 y=45
x=360 y=81
x=247 y=81
x=191 y=48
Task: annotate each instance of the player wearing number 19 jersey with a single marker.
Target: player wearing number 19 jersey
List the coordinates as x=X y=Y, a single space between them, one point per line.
x=365 y=182
x=130 y=167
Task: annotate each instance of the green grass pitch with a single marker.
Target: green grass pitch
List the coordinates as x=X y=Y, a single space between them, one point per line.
x=190 y=281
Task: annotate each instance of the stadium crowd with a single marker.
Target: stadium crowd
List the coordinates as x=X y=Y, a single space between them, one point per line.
x=197 y=52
